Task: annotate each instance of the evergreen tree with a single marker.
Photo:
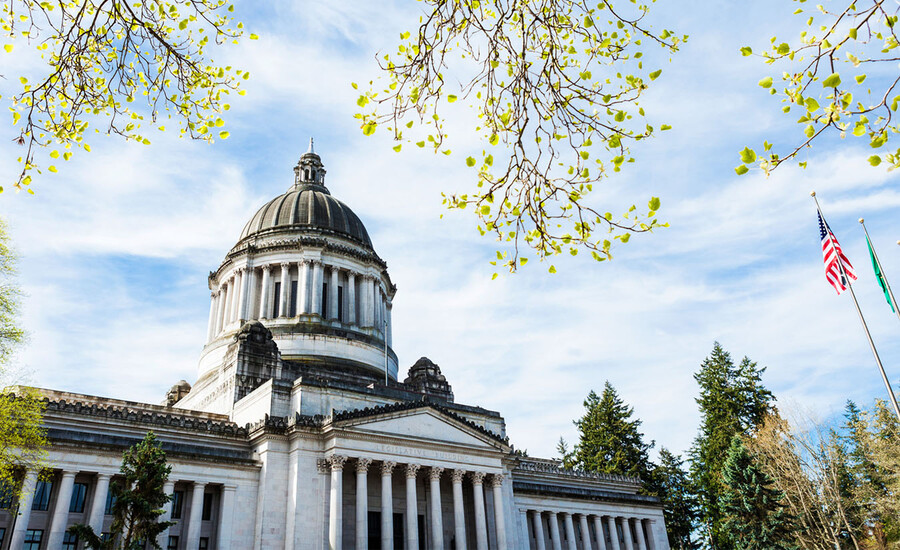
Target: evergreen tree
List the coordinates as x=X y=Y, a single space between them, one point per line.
x=139 y=501
x=753 y=516
x=732 y=401
x=609 y=439
x=673 y=488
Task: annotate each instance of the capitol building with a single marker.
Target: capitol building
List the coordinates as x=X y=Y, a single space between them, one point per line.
x=301 y=432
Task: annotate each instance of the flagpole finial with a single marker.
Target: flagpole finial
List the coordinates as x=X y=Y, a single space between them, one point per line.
x=812 y=193
x=862 y=220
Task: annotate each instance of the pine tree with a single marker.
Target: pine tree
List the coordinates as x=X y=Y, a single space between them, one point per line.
x=610 y=441
x=732 y=401
x=673 y=488
x=139 y=501
x=753 y=516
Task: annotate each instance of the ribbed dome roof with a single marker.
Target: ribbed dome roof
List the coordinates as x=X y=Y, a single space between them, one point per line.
x=308 y=206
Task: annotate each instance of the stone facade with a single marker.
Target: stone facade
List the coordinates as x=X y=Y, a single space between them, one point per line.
x=298 y=433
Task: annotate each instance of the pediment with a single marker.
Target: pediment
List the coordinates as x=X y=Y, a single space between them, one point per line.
x=422 y=424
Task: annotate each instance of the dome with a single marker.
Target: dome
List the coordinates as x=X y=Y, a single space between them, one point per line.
x=307 y=206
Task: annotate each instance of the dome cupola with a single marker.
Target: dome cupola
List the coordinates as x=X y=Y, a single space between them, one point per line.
x=305 y=268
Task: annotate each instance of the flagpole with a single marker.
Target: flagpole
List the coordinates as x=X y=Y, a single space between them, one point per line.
x=887 y=285
x=887 y=383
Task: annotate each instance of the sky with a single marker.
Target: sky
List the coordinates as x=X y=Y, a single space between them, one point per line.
x=115 y=249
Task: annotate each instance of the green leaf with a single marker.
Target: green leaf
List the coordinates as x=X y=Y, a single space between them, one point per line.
x=746 y=50
x=859 y=130
x=874 y=160
x=860 y=78
x=766 y=82
x=8 y=47
x=741 y=170
x=470 y=162
x=783 y=48
x=748 y=155
x=655 y=74
x=833 y=81
x=811 y=104
x=398 y=147
x=552 y=269
x=625 y=237
x=451 y=98
x=222 y=135
x=183 y=25
x=654 y=203
x=852 y=33
x=809 y=131
x=368 y=128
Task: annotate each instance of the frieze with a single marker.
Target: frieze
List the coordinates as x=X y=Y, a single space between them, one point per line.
x=174 y=420
x=543 y=467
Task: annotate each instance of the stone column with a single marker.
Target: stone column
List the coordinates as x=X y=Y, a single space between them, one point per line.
x=59 y=521
x=336 y=520
x=283 y=302
x=600 y=539
x=571 y=543
x=249 y=287
x=226 y=518
x=626 y=534
x=226 y=303
x=333 y=313
x=499 y=510
x=220 y=310
x=17 y=539
x=163 y=538
x=238 y=294
x=554 y=531
x=459 y=513
x=638 y=535
x=211 y=328
x=302 y=287
x=437 y=521
x=613 y=533
x=538 y=526
x=585 y=533
x=412 y=510
x=366 y=302
x=193 y=527
x=98 y=502
x=649 y=541
x=317 y=272
x=387 y=506
x=362 y=503
x=265 y=291
x=351 y=298
x=481 y=540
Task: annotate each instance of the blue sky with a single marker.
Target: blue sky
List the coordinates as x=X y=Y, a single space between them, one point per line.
x=116 y=248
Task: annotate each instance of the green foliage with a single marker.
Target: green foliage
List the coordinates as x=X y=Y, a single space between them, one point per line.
x=555 y=86
x=103 y=57
x=753 y=516
x=732 y=401
x=22 y=436
x=834 y=45
x=674 y=488
x=139 y=501
x=609 y=439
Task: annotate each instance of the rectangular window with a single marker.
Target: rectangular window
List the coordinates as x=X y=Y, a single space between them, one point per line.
x=79 y=493
x=340 y=311
x=106 y=537
x=276 y=300
x=110 y=499
x=207 y=506
x=374 y=534
x=2 y=535
x=423 y=542
x=70 y=541
x=42 y=496
x=325 y=300
x=173 y=543
x=204 y=544
x=33 y=539
x=399 y=531
x=177 y=502
x=293 y=305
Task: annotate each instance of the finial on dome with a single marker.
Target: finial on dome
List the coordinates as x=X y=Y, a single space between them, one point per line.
x=310 y=169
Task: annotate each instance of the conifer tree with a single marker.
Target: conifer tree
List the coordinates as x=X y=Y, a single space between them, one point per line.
x=673 y=488
x=139 y=501
x=732 y=401
x=753 y=516
x=609 y=439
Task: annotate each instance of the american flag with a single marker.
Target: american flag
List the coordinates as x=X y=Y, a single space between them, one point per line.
x=834 y=259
